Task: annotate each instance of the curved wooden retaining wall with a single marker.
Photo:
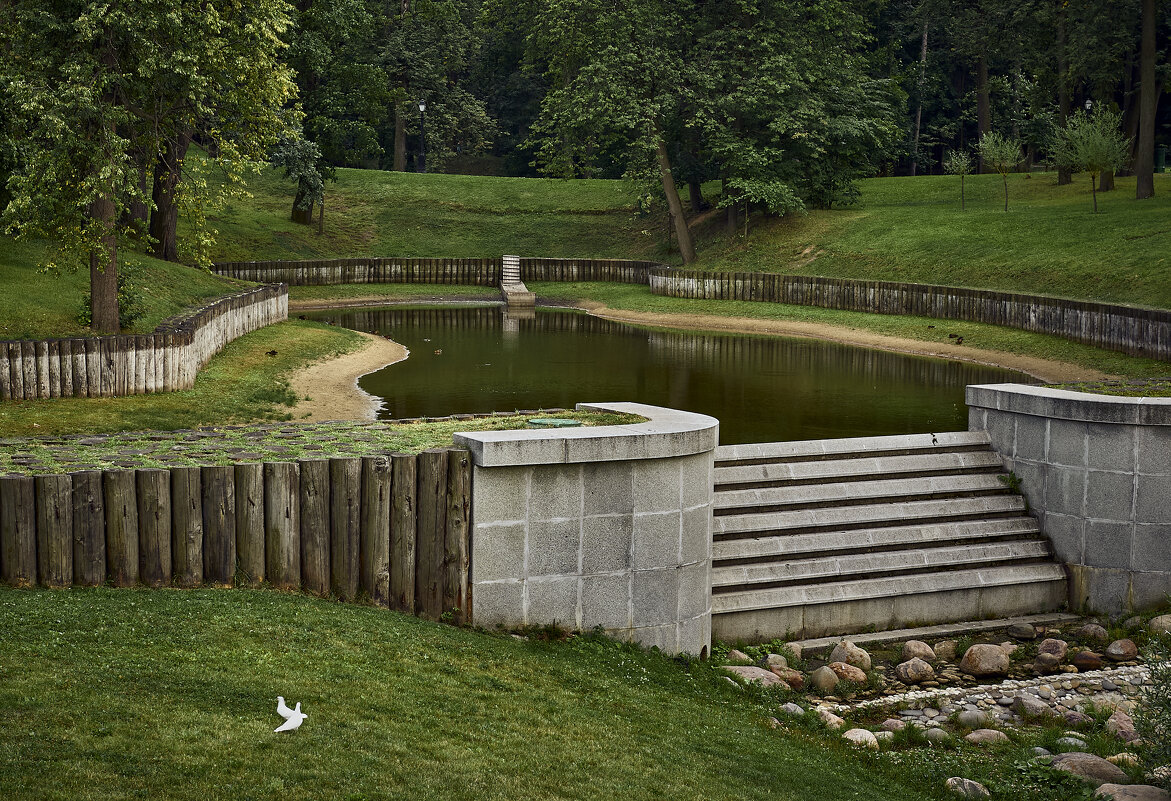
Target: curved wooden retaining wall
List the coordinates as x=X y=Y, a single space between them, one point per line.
x=134 y=364
x=1128 y=329
x=393 y=529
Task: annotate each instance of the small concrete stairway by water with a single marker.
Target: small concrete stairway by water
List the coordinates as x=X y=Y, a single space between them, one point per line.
x=830 y=537
x=516 y=294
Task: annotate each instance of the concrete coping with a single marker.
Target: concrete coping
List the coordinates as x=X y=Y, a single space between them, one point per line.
x=1064 y=404
x=665 y=433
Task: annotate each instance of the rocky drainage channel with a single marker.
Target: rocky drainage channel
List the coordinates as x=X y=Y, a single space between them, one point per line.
x=914 y=696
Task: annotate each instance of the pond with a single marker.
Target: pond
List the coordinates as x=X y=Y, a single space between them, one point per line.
x=473 y=359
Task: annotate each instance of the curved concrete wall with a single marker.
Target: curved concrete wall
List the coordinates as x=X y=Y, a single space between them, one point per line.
x=1096 y=470
x=607 y=526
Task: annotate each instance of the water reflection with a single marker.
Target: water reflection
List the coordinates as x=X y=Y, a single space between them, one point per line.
x=476 y=359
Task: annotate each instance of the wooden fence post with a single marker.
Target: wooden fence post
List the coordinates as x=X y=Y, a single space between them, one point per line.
x=89 y=529
x=121 y=527
x=250 y=522
x=55 y=530
x=186 y=526
x=314 y=502
x=219 y=524
x=154 y=526
x=431 y=533
x=402 y=532
x=18 y=530
x=375 y=538
x=457 y=550
x=345 y=501
x=281 y=526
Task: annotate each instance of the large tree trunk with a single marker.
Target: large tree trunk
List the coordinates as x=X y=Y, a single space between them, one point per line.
x=919 y=103
x=682 y=232
x=695 y=196
x=400 y=139
x=1144 y=157
x=304 y=216
x=103 y=270
x=164 y=220
x=983 y=104
x=1064 y=176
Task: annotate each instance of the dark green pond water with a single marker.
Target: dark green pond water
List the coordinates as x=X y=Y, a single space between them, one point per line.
x=469 y=359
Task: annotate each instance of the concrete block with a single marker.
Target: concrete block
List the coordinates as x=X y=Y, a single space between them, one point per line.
x=608 y=487
x=664 y=637
x=1066 y=533
x=498 y=552
x=695 y=636
x=1001 y=430
x=554 y=601
x=1149 y=589
x=847 y=617
x=606 y=543
x=1110 y=496
x=498 y=604
x=1108 y=544
x=605 y=602
x=1110 y=447
x=657 y=486
x=759 y=625
x=1108 y=590
x=553 y=547
x=654 y=597
x=1152 y=548
x=1011 y=600
x=697 y=479
x=1153 y=499
x=657 y=540
x=695 y=590
x=1153 y=445
x=555 y=492
x=1065 y=491
x=938 y=606
x=501 y=494
x=1032 y=479
x=1031 y=436
x=1067 y=443
x=697 y=535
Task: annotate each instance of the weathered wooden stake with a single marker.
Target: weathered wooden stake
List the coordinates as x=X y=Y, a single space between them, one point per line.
x=457 y=550
x=154 y=526
x=186 y=526
x=430 y=533
x=314 y=502
x=89 y=529
x=345 y=502
x=219 y=524
x=250 y=523
x=121 y=527
x=281 y=526
x=375 y=538
x=402 y=532
x=54 y=530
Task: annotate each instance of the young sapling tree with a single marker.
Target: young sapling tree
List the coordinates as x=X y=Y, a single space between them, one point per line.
x=1092 y=143
x=959 y=162
x=1002 y=154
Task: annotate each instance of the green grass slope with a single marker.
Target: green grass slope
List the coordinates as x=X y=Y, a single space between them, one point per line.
x=912 y=229
x=172 y=694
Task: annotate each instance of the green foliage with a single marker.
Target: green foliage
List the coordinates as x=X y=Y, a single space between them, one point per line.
x=130 y=302
x=1001 y=153
x=303 y=164
x=1153 y=715
x=1092 y=143
x=959 y=162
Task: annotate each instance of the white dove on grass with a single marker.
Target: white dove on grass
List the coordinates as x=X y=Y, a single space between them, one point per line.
x=293 y=717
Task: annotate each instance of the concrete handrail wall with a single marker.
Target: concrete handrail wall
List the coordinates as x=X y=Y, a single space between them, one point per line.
x=134 y=364
x=1096 y=470
x=1133 y=330
x=607 y=526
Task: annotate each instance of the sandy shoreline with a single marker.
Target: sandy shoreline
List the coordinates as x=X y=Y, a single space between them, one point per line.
x=332 y=385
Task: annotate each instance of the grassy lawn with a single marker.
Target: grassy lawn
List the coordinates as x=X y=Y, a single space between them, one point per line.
x=35 y=305
x=392 y=292
x=912 y=229
x=172 y=694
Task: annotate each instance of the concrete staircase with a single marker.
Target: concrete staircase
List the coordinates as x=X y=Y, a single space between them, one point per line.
x=516 y=294
x=837 y=536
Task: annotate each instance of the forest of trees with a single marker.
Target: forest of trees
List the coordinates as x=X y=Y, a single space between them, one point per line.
x=784 y=102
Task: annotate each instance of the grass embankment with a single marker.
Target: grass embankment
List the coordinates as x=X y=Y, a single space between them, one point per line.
x=172 y=694
x=912 y=229
x=374 y=213
x=40 y=305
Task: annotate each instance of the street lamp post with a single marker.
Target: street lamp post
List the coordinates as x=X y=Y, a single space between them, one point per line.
x=422 y=138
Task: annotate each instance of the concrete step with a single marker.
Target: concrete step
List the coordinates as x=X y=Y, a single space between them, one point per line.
x=797 y=546
x=778 y=474
x=726 y=578
x=855 y=493
x=888 y=586
x=849 y=448
x=842 y=518
x=820 y=645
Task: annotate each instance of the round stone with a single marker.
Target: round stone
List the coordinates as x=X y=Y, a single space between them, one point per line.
x=851 y=654
x=917 y=649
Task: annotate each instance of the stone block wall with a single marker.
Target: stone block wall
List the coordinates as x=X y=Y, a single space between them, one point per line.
x=607 y=526
x=1096 y=471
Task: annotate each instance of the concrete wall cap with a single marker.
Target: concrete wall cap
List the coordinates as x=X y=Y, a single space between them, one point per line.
x=665 y=433
x=1064 y=404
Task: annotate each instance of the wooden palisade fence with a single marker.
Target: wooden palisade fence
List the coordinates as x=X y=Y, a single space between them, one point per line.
x=135 y=364
x=1128 y=329
x=392 y=529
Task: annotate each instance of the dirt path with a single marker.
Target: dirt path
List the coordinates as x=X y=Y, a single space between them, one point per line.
x=332 y=385
x=1042 y=369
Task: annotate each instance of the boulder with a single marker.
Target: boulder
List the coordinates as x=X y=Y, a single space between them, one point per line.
x=936 y=735
x=1022 y=631
x=1121 y=725
x=966 y=788
x=1087 y=660
x=1160 y=625
x=772 y=723
x=774 y=661
x=914 y=671
x=917 y=649
x=945 y=650
x=848 y=672
x=1132 y=792
x=1046 y=663
x=893 y=724
x=794 y=649
x=756 y=675
x=736 y=657
x=830 y=720
x=1124 y=759
x=1092 y=631
x=982 y=736
x=851 y=654
x=884 y=736
x=972 y=718
x=985 y=660
x=1009 y=647
x=794 y=678
x=1071 y=743
x=1074 y=718
x=862 y=737
x=1122 y=650
x=1132 y=622
x=1058 y=648
x=1092 y=769
x=1030 y=706
x=823 y=679
x=793 y=710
